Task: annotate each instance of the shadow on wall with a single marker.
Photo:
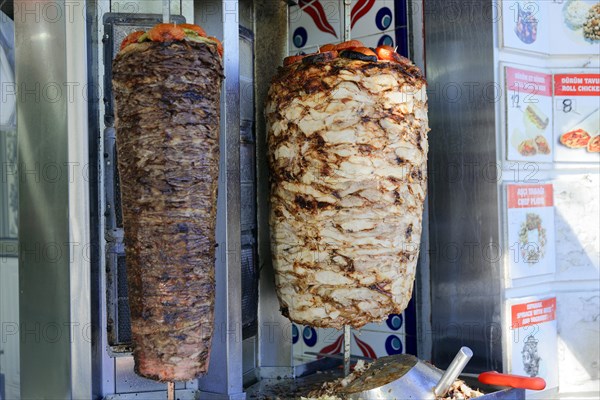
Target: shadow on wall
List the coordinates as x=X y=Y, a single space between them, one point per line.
x=578 y=311
x=578 y=260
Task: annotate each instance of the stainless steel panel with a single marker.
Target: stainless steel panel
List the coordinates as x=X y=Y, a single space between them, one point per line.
x=249 y=361
x=181 y=394
x=271 y=34
x=78 y=202
x=129 y=382
x=247 y=95
x=224 y=379
x=463 y=207
x=54 y=226
x=8 y=193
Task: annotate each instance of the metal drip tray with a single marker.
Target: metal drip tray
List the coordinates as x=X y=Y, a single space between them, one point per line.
x=288 y=388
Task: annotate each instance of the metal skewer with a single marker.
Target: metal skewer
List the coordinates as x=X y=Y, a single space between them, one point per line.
x=346 y=350
x=166 y=8
x=347 y=36
x=171 y=391
x=454 y=369
x=347 y=20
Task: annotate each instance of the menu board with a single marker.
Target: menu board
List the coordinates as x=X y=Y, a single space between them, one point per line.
x=533 y=340
x=577 y=117
x=528 y=115
x=530 y=230
x=557 y=27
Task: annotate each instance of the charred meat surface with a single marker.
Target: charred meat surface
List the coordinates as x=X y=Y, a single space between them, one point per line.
x=347 y=142
x=167 y=97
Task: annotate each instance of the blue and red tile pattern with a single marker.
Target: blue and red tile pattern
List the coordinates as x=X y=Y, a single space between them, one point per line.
x=314 y=23
x=372 y=340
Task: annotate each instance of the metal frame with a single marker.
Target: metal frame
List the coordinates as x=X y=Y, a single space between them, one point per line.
x=271 y=46
x=8 y=177
x=466 y=292
x=225 y=378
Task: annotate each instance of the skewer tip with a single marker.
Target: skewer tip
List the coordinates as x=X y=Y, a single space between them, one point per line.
x=170 y=390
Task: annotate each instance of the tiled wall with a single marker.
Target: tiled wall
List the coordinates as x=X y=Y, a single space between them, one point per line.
x=372 y=340
x=314 y=23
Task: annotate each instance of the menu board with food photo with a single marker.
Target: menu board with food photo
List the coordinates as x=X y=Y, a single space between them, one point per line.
x=533 y=338
x=575 y=27
x=577 y=117
x=528 y=115
x=530 y=230
x=525 y=25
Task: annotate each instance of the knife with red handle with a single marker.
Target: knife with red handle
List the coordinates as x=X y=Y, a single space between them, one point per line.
x=514 y=381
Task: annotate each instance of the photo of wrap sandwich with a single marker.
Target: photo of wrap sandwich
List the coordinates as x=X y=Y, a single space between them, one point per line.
x=593 y=145
x=584 y=134
x=575 y=139
x=542 y=144
x=527 y=148
x=531 y=141
x=535 y=119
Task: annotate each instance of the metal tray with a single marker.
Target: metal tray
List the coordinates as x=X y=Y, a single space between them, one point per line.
x=294 y=388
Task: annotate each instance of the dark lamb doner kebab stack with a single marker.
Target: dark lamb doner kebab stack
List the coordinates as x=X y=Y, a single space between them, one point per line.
x=167 y=85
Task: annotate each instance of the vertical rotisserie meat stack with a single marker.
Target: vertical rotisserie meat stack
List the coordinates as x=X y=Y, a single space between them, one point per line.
x=347 y=139
x=167 y=85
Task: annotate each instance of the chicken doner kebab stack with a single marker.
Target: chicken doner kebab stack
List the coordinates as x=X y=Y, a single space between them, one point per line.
x=167 y=84
x=347 y=140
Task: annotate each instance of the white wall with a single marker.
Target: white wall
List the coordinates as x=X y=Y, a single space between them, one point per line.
x=576 y=283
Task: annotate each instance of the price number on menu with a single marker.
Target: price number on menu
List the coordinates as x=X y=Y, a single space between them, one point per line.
x=524 y=93
x=567 y=106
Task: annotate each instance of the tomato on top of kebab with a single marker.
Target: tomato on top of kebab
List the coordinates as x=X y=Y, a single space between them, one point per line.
x=352 y=49
x=173 y=32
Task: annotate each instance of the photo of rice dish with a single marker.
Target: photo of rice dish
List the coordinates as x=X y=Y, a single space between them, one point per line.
x=591 y=27
x=576 y=14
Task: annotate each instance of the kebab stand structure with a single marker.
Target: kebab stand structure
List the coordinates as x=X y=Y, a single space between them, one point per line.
x=504 y=250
